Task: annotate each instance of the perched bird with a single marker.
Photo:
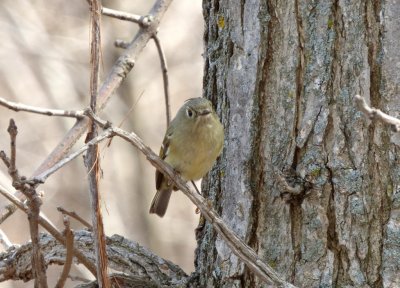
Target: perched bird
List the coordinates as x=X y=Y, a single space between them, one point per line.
x=192 y=143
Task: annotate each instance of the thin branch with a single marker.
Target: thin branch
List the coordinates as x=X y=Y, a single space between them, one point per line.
x=8 y=210
x=376 y=114
x=74 y=215
x=49 y=227
x=69 y=245
x=34 y=202
x=119 y=71
x=38 y=110
x=143 y=21
x=13 y=131
x=164 y=69
x=239 y=248
x=92 y=159
x=41 y=178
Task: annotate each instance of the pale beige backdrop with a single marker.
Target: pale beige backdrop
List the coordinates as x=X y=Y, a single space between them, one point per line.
x=44 y=55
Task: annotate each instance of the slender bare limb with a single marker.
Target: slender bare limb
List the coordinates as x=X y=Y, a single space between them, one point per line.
x=34 y=202
x=49 y=227
x=143 y=21
x=38 y=110
x=8 y=210
x=121 y=68
x=74 y=215
x=92 y=159
x=239 y=248
x=69 y=245
x=41 y=178
x=13 y=131
x=376 y=114
x=164 y=69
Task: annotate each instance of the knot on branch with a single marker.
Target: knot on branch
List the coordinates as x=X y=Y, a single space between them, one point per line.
x=146 y=21
x=124 y=65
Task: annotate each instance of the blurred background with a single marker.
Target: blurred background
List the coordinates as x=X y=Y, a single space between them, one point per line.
x=44 y=61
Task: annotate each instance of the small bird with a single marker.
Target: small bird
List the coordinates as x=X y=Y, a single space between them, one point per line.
x=192 y=143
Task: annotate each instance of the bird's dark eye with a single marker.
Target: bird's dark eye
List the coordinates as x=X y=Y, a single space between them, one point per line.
x=189 y=113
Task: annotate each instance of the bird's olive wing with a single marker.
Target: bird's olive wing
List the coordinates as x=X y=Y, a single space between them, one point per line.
x=163 y=154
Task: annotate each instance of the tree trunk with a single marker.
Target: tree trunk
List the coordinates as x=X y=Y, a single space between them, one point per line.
x=283 y=75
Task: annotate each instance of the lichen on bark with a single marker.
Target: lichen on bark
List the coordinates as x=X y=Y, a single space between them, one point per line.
x=283 y=76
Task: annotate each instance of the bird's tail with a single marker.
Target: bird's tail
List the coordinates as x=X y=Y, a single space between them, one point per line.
x=160 y=202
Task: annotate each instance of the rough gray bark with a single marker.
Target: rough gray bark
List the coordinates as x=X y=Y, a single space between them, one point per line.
x=138 y=264
x=283 y=75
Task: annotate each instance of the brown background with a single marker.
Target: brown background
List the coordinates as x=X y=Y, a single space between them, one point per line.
x=44 y=61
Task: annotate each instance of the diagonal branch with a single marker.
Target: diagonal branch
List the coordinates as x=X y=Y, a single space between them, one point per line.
x=121 y=68
x=239 y=248
x=74 y=215
x=41 y=178
x=51 y=228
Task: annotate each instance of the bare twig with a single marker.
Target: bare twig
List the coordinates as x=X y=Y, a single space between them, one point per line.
x=69 y=245
x=4 y=240
x=143 y=21
x=41 y=178
x=38 y=110
x=49 y=227
x=376 y=114
x=8 y=210
x=92 y=159
x=74 y=215
x=121 y=68
x=239 y=248
x=13 y=131
x=34 y=203
x=164 y=69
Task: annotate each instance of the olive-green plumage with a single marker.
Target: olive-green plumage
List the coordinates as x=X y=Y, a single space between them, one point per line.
x=191 y=145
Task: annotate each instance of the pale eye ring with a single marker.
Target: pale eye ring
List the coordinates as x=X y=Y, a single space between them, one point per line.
x=189 y=112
